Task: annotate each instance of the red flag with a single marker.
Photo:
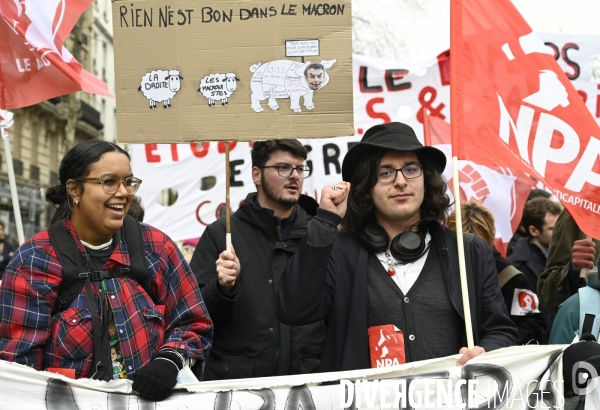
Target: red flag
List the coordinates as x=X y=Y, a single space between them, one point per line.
x=34 y=64
x=502 y=190
x=513 y=106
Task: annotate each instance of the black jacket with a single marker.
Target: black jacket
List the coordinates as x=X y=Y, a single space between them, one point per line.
x=532 y=327
x=330 y=283
x=529 y=259
x=520 y=233
x=249 y=341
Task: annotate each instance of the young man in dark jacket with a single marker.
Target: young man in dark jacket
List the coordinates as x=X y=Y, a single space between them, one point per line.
x=529 y=254
x=240 y=293
x=357 y=280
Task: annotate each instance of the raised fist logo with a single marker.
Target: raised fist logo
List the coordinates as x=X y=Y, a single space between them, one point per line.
x=472 y=185
x=524 y=302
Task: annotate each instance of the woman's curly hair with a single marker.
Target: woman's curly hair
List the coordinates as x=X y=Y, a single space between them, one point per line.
x=361 y=211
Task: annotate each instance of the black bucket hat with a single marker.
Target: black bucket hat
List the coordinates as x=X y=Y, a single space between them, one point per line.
x=394 y=136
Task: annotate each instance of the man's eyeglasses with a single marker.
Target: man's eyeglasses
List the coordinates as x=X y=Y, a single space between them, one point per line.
x=111 y=183
x=286 y=170
x=388 y=175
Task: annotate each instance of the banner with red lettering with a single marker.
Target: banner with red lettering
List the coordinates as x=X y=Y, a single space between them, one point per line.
x=384 y=90
x=514 y=106
x=500 y=189
x=34 y=64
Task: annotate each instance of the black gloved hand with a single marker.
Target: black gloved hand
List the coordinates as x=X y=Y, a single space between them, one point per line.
x=156 y=380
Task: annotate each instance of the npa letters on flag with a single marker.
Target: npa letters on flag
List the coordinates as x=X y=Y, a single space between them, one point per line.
x=514 y=106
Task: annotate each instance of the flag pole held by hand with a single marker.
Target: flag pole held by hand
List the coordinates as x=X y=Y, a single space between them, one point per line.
x=583 y=271
x=227 y=204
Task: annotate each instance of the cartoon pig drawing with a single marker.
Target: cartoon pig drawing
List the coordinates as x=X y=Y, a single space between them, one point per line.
x=288 y=79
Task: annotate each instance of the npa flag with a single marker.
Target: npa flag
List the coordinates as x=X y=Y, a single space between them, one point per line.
x=502 y=190
x=34 y=64
x=513 y=106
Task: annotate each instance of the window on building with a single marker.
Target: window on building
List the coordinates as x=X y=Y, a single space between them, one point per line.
x=34 y=173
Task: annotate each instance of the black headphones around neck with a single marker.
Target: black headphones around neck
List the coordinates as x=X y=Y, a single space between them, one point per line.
x=407 y=247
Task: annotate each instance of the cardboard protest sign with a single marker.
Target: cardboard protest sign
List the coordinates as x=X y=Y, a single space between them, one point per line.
x=232 y=70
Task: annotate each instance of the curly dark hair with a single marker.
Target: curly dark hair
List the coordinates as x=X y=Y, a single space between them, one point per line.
x=361 y=211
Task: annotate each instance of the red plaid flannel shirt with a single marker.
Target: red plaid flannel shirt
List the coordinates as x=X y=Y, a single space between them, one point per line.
x=32 y=334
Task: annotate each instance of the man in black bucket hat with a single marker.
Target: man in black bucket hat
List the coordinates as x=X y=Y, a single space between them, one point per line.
x=392 y=265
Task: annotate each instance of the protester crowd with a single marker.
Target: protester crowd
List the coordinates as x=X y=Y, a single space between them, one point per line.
x=304 y=287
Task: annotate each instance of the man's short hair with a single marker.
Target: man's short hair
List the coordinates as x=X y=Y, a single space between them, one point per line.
x=538 y=193
x=476 y=219
x=316 y=66
x=535 y=211
x=262 y=150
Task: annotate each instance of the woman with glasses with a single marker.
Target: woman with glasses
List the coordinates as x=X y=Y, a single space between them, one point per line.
x=143 y=328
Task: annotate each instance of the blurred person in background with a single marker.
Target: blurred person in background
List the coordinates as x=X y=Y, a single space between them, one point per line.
x=136 y=210
x=521 y=232
x=6 y=250
x=569 y=252
x=530 y=252
x=521 y=301
x=188 y=247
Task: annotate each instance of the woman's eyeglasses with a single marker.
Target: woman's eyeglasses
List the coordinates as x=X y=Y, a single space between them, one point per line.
x=111 y=183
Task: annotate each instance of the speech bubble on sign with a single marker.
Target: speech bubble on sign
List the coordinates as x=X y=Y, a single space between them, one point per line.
x=301 y=48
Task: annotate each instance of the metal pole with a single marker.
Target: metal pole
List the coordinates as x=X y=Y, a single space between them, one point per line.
x=13 y=186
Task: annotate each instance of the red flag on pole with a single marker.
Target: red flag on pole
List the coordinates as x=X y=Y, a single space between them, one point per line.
x=34 y=64
x=513 y=106
x=502 y=190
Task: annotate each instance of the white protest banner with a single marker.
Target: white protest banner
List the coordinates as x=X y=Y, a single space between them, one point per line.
x=196 y=172
x=384 y=91
x=519 y=378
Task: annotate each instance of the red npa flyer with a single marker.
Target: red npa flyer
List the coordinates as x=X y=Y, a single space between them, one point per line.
x=386 y=346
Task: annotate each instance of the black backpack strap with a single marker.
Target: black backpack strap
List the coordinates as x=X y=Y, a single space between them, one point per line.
x=72 y=266
x=132 y=233
x=588 y=324
x=101 y=355
x=473 y=300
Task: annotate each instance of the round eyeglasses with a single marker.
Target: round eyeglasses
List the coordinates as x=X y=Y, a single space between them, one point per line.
x=286 y=170
x=388 y=175
x=111 y=183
